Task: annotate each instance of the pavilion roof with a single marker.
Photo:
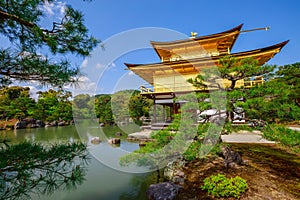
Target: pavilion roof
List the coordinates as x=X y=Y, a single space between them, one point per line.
x=194 y=66
x=222 y=42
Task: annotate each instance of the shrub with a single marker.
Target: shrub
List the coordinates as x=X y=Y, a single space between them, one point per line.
x=220 y=186
x=284 y=135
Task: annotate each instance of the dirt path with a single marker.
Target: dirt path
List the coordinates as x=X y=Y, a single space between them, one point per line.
x=271 y=173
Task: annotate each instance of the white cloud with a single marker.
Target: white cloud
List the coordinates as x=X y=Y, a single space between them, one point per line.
x=84 y=86
x=104 y=66
x=100 y=66
x=48 y=8
x=56 y=7
x=112 y=64
x=62 y=7
x=33 y=92
x=130 y=73
x=84 y=63
x=33 y=89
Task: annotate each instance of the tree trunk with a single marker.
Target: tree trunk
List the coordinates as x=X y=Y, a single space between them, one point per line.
x=233 y=82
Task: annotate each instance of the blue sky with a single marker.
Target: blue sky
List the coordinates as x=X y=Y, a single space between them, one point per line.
x=106 y=18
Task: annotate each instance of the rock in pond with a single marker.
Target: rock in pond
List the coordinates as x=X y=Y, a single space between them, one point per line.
x=163 y=191
x=114 y=141
x=95 y=140
x=140 y=136
x=142 y=144
x=61 y=123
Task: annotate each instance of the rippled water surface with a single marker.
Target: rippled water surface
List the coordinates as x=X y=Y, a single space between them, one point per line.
x=102 y=182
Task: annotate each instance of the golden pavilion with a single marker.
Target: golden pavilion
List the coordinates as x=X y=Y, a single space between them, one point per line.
x=184 y=59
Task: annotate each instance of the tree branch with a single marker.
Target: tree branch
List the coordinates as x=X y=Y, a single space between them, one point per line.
x=5 y=15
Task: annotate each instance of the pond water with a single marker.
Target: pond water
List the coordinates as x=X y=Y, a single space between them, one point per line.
x=101 y=181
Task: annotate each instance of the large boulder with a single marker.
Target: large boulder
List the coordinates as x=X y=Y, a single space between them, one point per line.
x=54 y=123
x=173 y=171
x=20 y=124
x=51 y=124
x=231 y=158
x=61 y=123
x=29 y=123
x=29 y=120
x=163 y=191
x=39 y=123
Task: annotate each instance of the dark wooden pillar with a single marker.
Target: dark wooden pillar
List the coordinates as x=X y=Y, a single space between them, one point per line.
x=154 y=111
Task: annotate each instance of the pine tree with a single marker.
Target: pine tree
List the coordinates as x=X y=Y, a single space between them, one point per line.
x=21 y=23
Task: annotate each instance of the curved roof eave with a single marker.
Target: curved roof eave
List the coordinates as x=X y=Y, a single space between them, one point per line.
x=264 y=49
x=237 y=28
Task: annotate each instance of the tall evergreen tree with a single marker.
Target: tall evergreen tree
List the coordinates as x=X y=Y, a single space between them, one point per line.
x=21 y=23
x=231 y=70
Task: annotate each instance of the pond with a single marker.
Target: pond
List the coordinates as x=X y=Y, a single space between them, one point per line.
x=101 y=181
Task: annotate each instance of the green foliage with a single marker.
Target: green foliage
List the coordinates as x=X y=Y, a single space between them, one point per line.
x=23 y=106
x=230 y=69
x=206 y=142
x=111 y=108
x=233 y=69
x=174 y=126
x=120 y=104
x=272 y=102
x=229 y=128
x=32 y=66
x=162 y=137
x=290 y=74
x=193 y=151
x=285 y=136
x=220 y=186
x=277 y=100
x=103 y=109
x=55 y=105
x=83 y=106
x=23 y=23
x=15 y=102
x=177 y=139
x=129 y=104
x=28 y=168
x=138 y=106
x=156 y=153
x=51 y=105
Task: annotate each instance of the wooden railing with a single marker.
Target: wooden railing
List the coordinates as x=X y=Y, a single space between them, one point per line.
x=252 y=83
x=246 y=84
